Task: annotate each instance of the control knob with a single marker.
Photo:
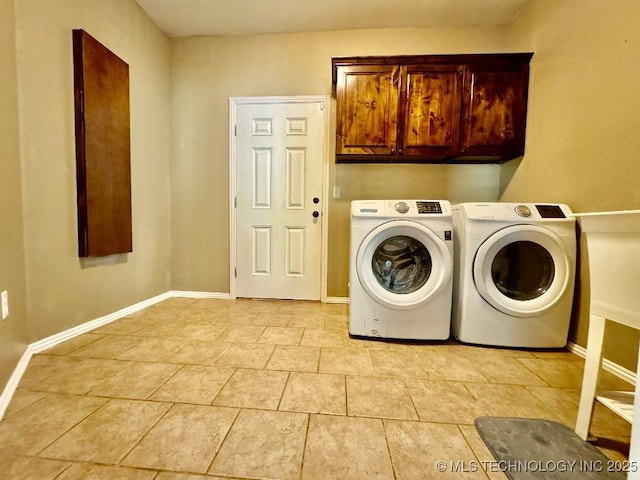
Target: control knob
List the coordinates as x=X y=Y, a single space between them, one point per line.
x=523 y=211
x=402 y=207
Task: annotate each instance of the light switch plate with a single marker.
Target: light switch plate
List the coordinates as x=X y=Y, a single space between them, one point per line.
x=4 y=301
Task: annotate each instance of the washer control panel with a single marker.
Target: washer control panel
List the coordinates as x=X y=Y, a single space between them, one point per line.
x=429 y=207
x=421 y=207
x=401 y=208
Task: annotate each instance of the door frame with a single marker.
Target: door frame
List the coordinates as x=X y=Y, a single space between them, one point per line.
x=234 y=102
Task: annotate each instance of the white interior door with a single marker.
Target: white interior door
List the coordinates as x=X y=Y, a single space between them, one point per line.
x=279 y=172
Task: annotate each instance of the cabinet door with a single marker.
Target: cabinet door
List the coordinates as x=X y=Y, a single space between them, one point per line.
x=367 y=109
x=494 y=110
x=430 y=111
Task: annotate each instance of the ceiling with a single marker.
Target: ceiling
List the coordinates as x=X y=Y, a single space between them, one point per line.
x=183 y=18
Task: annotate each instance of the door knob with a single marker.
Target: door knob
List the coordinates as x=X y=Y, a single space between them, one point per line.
x=316 y=200
x=316 y=214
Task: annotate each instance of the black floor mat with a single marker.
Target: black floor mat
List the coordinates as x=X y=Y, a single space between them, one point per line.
x=528 y=448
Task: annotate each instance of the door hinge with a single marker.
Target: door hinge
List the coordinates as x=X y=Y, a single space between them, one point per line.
x=235 y=202
x=235 y=272
x=235 y=130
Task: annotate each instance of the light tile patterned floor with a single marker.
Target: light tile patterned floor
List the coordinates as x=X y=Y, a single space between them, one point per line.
x=194 y=389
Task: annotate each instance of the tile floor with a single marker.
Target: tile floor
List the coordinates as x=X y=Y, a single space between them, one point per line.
x=195 y=389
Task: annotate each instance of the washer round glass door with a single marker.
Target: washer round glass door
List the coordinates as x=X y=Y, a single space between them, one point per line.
x=522 y=270
x=402 y=264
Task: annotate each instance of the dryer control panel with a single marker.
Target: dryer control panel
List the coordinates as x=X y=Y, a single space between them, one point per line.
x=550 y=211
x=516 y=212
x=400 y=208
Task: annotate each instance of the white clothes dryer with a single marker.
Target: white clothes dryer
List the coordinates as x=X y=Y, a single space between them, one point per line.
x=514 y=275
x=401 y=269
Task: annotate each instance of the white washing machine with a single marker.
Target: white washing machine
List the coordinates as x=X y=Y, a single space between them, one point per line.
x=514 y=275
x=401 y=269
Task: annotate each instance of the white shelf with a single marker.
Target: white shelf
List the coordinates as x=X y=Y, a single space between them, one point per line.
x=620 y=402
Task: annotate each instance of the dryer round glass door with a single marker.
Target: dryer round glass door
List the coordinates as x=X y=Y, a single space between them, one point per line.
x=403 y=264
x=522 y=270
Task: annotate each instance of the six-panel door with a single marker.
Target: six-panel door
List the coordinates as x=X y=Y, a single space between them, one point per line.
x=279 y=164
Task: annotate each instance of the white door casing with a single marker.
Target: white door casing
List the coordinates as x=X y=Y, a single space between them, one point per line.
x=278 y=170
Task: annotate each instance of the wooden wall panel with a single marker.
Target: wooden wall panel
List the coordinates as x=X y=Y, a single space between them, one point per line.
x=103 y=163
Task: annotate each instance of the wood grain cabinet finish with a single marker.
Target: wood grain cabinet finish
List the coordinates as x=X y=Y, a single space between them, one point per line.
x=431 y=108
x=430 y=111
x=103 y=164
x=494 y=110
x=368 y=113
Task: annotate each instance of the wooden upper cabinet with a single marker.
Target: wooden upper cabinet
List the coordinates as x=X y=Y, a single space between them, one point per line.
x=431 y=108
x=368 y=113
x=430 y=111
x=494 y=110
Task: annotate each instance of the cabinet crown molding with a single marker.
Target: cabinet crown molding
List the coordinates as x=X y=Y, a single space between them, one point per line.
x=438 y=59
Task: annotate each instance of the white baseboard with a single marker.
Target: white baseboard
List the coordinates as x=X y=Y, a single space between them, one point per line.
x=337 y=300
x=14 y=380
x=65 y=335
x=192 y=294
x=53 y=340
x=607 y=365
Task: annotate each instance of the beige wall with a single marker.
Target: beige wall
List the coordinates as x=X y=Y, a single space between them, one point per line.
x=13 y=330
x=209 y=70
x=583 y=126
x=62 y=291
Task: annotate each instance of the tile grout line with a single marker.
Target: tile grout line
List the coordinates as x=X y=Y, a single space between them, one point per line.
x=106 y=400
x=304 y=445
x=145 y=434
x=386 y=442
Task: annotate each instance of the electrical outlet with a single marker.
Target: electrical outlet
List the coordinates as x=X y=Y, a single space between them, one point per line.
x=4 y=300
